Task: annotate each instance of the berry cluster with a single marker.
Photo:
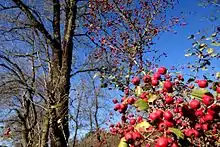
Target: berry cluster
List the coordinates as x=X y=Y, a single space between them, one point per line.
x=169 y=112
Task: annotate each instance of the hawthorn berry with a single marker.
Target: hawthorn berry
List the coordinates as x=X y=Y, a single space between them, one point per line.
x=169 y=100
x=194 y=104
x=207 y=99
x=162 y=70
x=167 y=84
x=162 y=142
x=168 y=115
x=136 y=81
x=154 y=82
x=202 y=83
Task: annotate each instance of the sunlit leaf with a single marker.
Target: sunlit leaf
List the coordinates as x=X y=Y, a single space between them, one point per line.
x=198 y=93
x=138 y=91
x=141 y=104
x=210 y=50
x=203 y=45
x=188 y=54
x=142 y=126
x=177 y=132
x=217 y=75
x=123 y=143
x=152 y=98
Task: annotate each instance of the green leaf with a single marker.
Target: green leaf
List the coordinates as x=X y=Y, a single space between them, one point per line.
x=198 y=93
x=123 y=143
x=203 y=45
x=138 y=91
x=141 y=104
x=177 y=132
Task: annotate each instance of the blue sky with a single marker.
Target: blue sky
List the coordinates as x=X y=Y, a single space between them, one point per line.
x=175 y=45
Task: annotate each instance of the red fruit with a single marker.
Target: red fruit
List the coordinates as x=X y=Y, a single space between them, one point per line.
x=167 y=84
x=137 y=135
x=136 y=81
x=208 y=117
x=198 y=126
x=143 y=95
x=174 y=145
x=162 y=70
x=132 y=121
x=117 y=106
x=194 y=104
x=218 y=89
x=139 y=119
x=162 y=142
x=129 y=137
x=199 y=112
x=205 y=127
x=154 y=82
x=188 y=132
x=202 y=83
x=162 y=126
x=123 y=98
x=131 y=100
x=159 y=113
x=169 y=100
x=153 y=116
x=146 y=78
x=168 y=115
x=169 y=123
x=195 y=133
x=208 y=99
x=115 y=101
x=157 y=76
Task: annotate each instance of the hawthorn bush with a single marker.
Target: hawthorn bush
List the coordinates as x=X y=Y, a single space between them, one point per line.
x=161 y=109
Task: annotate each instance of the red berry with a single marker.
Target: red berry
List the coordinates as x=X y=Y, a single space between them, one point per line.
x=131 y=100
x=207 y=99
x=132 y=121
x=198 y=126
x=202 y=83
x=162 y=142
x=169 y=100
x=162 y=70
x=153 y=116
x=137 y=135
x=143 y=95
x=188 y=132
x=168 y=115
x=157 y=76
x=146 y=78
x=117 y=106
x=208 y=117
x=162 y=126
x=205 y=127
x=129 y=137
x=154 y=82
x=218 y=89
x=169 y=123
x=199 y=112
x=167 y=84
x=115 y=101
x=159 y=113
x=136 y=81
x=194 y=104
x=139 y=119
x=174 y=145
